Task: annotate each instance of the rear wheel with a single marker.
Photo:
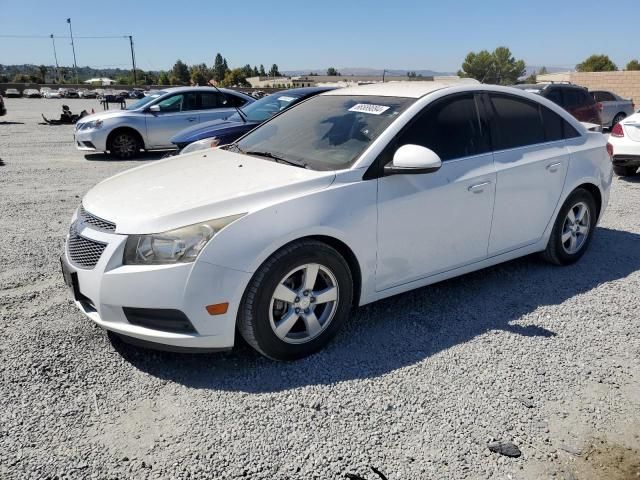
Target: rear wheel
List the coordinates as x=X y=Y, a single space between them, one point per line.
x=124 y=145
x=625 y=171
x=296 y=301
x=618 y=118
x=573 y=229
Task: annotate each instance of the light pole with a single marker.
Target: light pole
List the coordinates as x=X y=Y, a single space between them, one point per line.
x=55 y=56
x=75 y=64
x=133 y=60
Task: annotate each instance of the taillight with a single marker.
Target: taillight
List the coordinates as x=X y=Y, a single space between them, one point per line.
x=599 y=106
x=617 y=131
x=610 y=150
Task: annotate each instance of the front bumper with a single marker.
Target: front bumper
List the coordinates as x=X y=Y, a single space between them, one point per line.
x=92 y=140
x=105 y=291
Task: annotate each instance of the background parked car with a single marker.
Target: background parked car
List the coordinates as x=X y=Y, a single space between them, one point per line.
x=624 y=145
x=31 y=93
x=136 y=93
x=71 y=93
x=573 y=98
x=52 y=94
x=86 y=93
x=614 y=107
x=12 y=93
x=3 y=109
x=150 y=122
x=229 y=130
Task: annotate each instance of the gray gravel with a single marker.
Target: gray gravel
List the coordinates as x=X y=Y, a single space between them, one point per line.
x=417 y=385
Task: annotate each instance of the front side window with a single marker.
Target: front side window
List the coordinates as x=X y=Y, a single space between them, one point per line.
x=327 y=132
x=517 y=121
x=179 y=102
x=450 y=127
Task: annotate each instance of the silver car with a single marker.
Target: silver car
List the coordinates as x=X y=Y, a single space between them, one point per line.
x=150 y=122
x=614 y=107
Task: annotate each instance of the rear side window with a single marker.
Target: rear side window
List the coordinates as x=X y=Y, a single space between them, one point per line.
x=450 y=127
x=555 y=96
x=603 y=97
x=211 y=100
x=235 y=101
x=518 y=122
x=556 y=127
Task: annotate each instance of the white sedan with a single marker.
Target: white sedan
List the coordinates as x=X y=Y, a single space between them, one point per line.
x=351 y=196
x=624 y=145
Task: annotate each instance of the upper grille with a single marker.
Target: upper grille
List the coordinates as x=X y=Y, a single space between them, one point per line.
x=84 y=252
x=96 y=222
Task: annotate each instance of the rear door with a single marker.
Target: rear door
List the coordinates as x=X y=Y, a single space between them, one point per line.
x=610 y=106
x=177 y=112
x=531 y=162
x=216 y=106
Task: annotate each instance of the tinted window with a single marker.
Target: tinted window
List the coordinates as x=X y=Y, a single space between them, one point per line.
x=603 y=97
x=189 y=102
x=211 y=100
x=553 y=125
x=518 y=122
x=171 y=104
x=450 y=127
x=554 y=95
x=235 y=101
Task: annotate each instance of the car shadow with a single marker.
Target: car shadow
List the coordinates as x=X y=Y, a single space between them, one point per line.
x=11 y=123
x=408 y=328
x=631 y=178
x=141 y=157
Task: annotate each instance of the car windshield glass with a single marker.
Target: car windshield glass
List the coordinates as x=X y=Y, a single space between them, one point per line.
x=266 y=107
x=326 y=132
x=145 y=100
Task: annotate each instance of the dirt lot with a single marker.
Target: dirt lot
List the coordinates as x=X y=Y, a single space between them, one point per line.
x=416 y=385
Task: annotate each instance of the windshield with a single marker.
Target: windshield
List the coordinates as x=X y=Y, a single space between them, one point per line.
x=266 y=107
x=145 y=100
x=326 y=132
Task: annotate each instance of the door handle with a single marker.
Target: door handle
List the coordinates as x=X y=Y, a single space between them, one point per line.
x=553 y=167
x=479 y=187
x=191 y=119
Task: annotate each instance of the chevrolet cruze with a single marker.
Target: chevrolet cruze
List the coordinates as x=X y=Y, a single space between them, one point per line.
x=351 y=196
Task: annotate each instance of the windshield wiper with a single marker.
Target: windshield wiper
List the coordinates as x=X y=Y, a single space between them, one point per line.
x=277 y=158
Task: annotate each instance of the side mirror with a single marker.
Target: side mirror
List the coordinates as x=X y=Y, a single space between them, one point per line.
x=154 y=108
x=412 y=159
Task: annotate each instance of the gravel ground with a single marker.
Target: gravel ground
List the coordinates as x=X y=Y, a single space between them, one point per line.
x=416 y=385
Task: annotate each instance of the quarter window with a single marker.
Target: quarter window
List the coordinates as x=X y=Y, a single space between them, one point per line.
x=211 y=100
x=518 y=122
x=451 y=128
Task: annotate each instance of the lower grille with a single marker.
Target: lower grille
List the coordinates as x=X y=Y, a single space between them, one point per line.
x=84 y=252
x=159 y=319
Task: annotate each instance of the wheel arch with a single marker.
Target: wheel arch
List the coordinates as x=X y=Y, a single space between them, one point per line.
x=124 y=128
x=595 y=193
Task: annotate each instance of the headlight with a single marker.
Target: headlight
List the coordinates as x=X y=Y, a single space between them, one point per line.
x=201 y=145
x=92 y=124
x=176 y=246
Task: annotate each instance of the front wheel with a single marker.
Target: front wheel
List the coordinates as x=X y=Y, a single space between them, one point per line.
x=573 y=229
x=124 y=145
x=296 y=301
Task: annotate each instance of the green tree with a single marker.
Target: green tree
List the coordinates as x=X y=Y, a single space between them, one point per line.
x=180 y=74
x=498 y=67
x=200 y=74
x=163 y=79
x=261 y=71
x=274 y=71
x=597 y=63
x=235 y=78
x=543 y=71
x=332 y=72
x=21 y=78
x=219 y=68
x=255 y=72
x=633 y=65
x=42 y=69
x=247 y=70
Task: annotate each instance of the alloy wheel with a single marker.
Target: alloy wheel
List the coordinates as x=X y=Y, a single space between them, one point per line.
x=304 y=303
x=575 y=229
x=125 y=145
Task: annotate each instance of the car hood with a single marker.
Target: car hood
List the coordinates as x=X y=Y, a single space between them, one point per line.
x=109 y=114
x=196 y=187
x=210 y=129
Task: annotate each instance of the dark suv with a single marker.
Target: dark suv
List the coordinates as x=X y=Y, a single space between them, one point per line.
x=3 y=109
x=573 y=98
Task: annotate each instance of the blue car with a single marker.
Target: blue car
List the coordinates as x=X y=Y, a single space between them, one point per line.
x=220 y=132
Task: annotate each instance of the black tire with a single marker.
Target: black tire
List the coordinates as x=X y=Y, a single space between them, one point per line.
x=556 y=251
x=124 y=144
x=624 y=171
x=254 y=323
x=617 y=119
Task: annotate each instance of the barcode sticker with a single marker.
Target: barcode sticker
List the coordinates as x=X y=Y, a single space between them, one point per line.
x=369 y=108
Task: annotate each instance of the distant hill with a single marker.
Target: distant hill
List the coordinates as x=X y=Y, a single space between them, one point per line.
x=348 y=71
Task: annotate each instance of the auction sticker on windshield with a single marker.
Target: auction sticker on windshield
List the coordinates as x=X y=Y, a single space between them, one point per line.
x=369 y=108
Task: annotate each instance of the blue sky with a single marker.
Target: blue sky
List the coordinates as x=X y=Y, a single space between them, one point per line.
x=304 y=34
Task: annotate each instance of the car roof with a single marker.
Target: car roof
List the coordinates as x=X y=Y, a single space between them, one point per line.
x=302 y=91
x=201 y=89
x=407 y=89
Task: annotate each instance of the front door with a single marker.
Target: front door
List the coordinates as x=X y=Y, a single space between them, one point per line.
x=434 y=222
x=177 y=112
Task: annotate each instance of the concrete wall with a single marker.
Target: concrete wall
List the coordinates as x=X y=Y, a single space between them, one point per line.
x=624 y=83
